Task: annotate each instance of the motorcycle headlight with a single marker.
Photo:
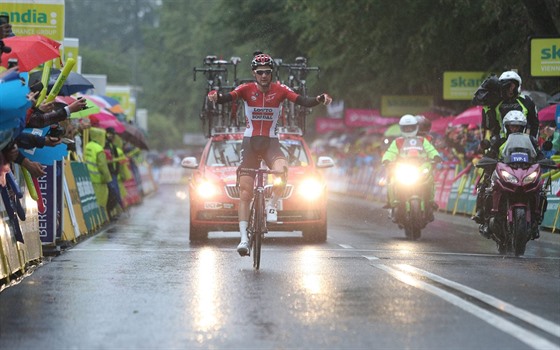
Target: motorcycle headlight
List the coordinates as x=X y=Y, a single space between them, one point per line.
x=509 y=177
x=310 y=189
x=530 y=178
x=207 y=189
x=407 y=174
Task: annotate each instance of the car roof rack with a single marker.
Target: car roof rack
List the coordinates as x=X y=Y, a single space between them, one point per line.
x=292 y=130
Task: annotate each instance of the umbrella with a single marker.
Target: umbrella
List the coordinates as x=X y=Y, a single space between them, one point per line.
x=74 y=83
x=135 y=136
x=30 y=51
x=110 y=103
x=102 y=103
x=440 y=125
x=549 y=113
x=105 y=120
x=91 y=108
x=393 y=131
x=472 y=115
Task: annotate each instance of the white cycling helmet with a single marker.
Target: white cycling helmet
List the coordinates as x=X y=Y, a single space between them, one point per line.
x=514 y=118
x=409 y=125
x=508 y=77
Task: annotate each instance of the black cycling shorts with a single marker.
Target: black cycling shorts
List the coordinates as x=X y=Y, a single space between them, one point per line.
x=257 y=148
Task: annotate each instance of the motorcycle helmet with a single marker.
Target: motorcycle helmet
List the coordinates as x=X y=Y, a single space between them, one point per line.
x=424 y=125
x=509 y=77
x=408 y=125
x=514 y=118
x=262 y=59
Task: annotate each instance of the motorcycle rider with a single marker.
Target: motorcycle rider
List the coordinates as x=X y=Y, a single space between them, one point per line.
x=515 y=123
x=409 y=145
x=509 y=85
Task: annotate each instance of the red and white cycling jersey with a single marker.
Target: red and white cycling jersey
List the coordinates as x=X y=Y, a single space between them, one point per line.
x=262 y=109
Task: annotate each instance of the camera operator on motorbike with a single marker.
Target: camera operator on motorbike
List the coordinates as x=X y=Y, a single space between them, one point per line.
x=408 y=146
x=509 y=86
x=263 y=104
x=515 y=124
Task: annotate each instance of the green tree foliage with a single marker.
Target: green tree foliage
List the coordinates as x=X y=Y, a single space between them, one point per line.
x=365 y=48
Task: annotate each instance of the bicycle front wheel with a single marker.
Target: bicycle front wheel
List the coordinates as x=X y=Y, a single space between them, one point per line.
x=259 y=217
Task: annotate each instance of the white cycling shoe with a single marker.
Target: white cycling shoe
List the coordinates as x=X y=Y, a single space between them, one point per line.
x=271 y=214
x=243 y=248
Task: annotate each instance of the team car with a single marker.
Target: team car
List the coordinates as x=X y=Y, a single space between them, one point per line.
x=214 y=195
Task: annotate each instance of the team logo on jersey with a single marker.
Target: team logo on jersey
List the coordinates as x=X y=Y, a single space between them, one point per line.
x=271 y=97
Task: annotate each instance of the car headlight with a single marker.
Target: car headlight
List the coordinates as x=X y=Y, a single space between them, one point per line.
x=407 y=174
x=310 y=189
x=207 y=189
x=530 y=178
x=508 y=177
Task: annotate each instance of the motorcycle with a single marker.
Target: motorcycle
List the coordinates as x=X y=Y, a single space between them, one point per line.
x=515 y=200
x=411 y=211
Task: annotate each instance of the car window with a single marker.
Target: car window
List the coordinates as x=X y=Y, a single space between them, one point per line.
x=224 y=153
x=294 y=152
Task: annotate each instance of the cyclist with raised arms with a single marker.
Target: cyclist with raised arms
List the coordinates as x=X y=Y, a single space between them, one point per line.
x=263 y=106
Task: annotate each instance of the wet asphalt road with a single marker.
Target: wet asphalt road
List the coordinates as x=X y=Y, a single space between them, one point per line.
x=141 y=285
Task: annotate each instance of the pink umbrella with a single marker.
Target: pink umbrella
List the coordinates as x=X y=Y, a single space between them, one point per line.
x=105 y=120
x=440 y=125
x=472 y=115
x=549 y=113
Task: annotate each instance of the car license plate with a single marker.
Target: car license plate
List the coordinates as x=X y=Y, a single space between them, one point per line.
x=212 y=205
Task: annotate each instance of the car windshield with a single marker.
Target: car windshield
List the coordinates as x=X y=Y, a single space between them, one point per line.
x=228 y=153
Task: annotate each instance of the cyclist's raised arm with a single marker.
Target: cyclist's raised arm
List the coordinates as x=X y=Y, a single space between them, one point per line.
x=313 y=101
x=215 y=96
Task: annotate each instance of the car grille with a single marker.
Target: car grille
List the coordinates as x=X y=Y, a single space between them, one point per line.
x=233 y=191
x=283 y=215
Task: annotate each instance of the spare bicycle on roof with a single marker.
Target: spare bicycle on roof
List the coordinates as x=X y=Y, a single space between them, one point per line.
x=218 y=116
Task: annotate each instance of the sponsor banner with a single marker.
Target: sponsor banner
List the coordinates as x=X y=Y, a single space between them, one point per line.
x=75 y=200
x=399 y=105
x=123 y=94
x=545 y=57
x=29 y=17
x=47 y=218
x=90 y=209
x=461 y=85
x=325 y=125
x=356 y=118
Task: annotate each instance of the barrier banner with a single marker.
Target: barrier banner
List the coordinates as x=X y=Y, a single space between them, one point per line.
x=90 y=209
x=74 y=201
x=47 y=218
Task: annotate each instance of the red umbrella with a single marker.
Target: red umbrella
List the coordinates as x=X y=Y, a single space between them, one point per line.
x=472 y=115
x=549 y=113
x=30 y=51
x=105 y=120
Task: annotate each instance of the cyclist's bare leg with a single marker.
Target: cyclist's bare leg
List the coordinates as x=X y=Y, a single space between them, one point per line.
x=246 y=184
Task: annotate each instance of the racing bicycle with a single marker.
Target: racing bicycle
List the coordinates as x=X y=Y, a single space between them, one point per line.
x=215 y=116
x=296 y=115
x=257 y=214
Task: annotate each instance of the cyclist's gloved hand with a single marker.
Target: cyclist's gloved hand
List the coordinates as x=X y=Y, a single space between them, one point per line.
x=324 y=99
x=213 y=96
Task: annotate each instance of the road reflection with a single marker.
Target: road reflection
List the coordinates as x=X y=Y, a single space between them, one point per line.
x=316 y=300
x=206 y=305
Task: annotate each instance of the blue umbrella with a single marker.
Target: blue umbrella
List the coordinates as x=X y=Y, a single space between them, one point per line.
x=74 y=82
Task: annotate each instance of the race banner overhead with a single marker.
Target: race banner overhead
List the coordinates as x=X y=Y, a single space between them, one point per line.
x=399 y=105
x=461 y=85
x=545 y=57
x=29 y=17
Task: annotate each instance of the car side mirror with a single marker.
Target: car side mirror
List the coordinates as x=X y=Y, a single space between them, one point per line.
x=325 y=162
x=189 y=163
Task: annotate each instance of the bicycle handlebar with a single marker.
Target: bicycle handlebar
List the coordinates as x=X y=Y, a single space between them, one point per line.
x=262 y=171
x=208 y=70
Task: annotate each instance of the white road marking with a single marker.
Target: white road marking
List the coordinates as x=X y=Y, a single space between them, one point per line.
x=406 y=275
x=346 y=246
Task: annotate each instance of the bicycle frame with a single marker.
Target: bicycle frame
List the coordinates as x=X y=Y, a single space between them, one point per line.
x=257 y=216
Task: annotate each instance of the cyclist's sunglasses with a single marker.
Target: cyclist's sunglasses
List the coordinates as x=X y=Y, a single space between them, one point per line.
x=263 y=71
